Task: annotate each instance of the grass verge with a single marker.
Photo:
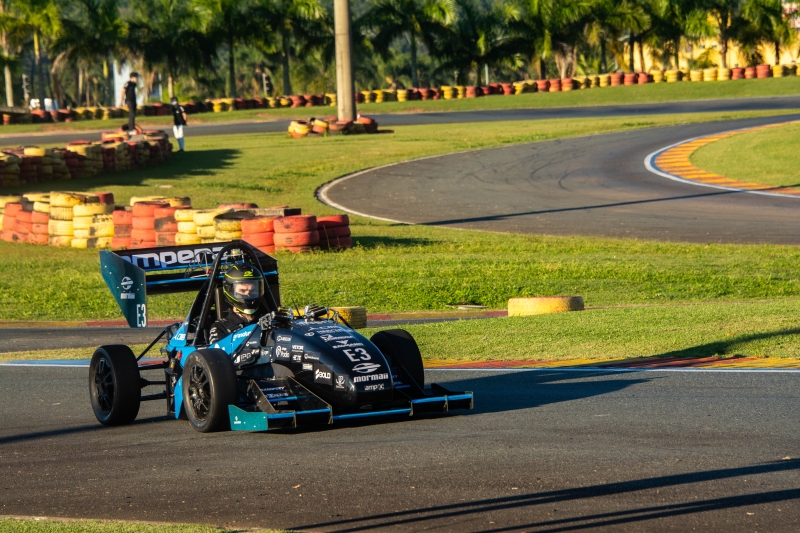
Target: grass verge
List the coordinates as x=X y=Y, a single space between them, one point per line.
x=639 y=94
x=35 y=525
x=770 y=156
x=719 y=329
x=397 y=267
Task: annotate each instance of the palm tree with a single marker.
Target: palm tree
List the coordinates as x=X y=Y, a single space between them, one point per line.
x=232 y=22
x=765 y=22
x=167 y=32
x=476 y=38
x=608 y=20
x=39 y=18
x=292 y=22
x=411 y=19
x=9 y=32
x=724 y=20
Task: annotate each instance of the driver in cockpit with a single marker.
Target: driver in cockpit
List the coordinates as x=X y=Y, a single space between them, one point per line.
x=243 y=288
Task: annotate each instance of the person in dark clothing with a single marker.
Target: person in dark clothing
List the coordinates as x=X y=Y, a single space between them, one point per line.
x=179 y=120
x=243 y=288
x=268 y=87
x=128 y=97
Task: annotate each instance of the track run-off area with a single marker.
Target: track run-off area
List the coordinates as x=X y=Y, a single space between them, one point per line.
x=553 y=449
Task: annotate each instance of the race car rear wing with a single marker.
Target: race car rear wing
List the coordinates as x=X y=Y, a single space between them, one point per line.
x=133 y=274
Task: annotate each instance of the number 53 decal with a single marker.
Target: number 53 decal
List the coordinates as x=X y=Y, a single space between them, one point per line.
x=141 y=315
x=359 y=355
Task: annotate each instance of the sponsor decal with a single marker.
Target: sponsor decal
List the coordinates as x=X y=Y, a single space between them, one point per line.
x=344 y=344
x=308 y=366
x=323 y=374
x=126 y=283
x=366 y=368
x=240 y=335
x=310 y=357
x=271 y=389
x=165 y=258
x=297 y=347
x=378 y=386
x=330 y=338
x=276 y=395
x=310 y=334
x=297 y=357
x=358 y=354
x=127 y=296
x=281 y=352
x=372 y=377
x=340 y=382
x=180 y=337
x=266 y=352
x=283 y=338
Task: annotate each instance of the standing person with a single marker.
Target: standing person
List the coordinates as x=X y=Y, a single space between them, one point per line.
x=268 y=87
x=179 y=120
x=128 y=96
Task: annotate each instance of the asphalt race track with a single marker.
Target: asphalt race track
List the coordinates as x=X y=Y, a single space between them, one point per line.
x=409 y=119
x=595 y=185
x=542 y=451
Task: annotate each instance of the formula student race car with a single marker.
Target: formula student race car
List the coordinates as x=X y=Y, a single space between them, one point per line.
x=286 y=370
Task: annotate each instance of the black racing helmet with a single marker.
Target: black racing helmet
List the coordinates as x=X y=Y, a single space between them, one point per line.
x=243 y=286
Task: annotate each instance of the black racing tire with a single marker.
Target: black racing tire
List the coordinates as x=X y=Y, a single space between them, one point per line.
x=114 y=385
x=401 y=349
x=209 y=387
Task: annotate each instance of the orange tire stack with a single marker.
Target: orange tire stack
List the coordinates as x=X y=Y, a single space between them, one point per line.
x=259 y=232
x=123 y=228
x=334 y=232
x=10 y=233
x=40 y=228
x=143 y=234
x=165 y=225
x=296 y=233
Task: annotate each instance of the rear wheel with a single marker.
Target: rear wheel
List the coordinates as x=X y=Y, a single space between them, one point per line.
x=114 y=385
x=401 y=349
x=209 y=387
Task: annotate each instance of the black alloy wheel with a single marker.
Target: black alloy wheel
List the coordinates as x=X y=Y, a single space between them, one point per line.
x=114 y=385
x=209 y=387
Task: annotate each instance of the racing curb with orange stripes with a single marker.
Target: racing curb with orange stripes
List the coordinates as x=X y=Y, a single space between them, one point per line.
x=673 y=163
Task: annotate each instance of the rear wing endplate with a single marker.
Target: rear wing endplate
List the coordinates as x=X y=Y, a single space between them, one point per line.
x=133 y=274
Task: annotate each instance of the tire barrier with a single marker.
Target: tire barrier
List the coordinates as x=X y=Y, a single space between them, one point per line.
x=331 y=126
x=81 y=159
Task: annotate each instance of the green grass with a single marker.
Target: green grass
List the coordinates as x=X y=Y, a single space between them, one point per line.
x=770 y=156
x=397 y=267
x=754 y=329
x=649 y=93
x=33 y=525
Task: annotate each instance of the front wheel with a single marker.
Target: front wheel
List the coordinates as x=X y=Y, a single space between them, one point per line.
x=401 y=349
x=114 y=385
x=209 y=387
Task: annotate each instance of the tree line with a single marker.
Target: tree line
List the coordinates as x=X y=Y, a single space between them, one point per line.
x=67 y=49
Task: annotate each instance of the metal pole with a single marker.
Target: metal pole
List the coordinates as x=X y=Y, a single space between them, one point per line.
x=486 y=72
x=345 y=94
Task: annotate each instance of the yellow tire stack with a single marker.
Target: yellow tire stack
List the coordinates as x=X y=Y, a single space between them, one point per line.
x=447 y=92
x=696 y=75
x=355 y=316
x=60 y=168
x=377 y=96
x=46 y=155
x=709 y=74
x=123 y=156
x=173 y=201
x=778 y=71
x=658 y=76
x=227 y=227
x=60 y=226
x=672 y=76
x=92 y=224
x=462 y=91
x=723 y=74
x=187 y=229
x=367 y=96
x=604 y=80
x=285 y=102
x=402 y=95
x=11 y=170
x=330 y=99
x=204 y=224
x=93 y=164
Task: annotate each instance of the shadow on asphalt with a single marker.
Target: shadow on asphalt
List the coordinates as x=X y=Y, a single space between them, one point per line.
x=90 y=428
x=490 y=218
x=478 y=507
x=727 y=347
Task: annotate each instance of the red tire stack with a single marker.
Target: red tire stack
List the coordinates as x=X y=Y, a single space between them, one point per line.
x=334 y=232
x=10 y=233
x=296 y=233
x=123 y=227
x=40 y=230
x=165 y=225
x=143 y=234
x=259 y=232
x=109 y=159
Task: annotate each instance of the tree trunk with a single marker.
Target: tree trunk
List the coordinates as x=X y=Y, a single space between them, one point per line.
x=414 y=77
x=641 y=56
x=231 y=89
x=37 y=55
x=777 y=53
x=631 y=42
x=109 y=99
x=677 y=51
x=287 y=79
x=78 y=86
x=603 y=63
x=88 y=82
x=170 y=85
x=6 y=69
x=542 y=69
x=723 y=51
